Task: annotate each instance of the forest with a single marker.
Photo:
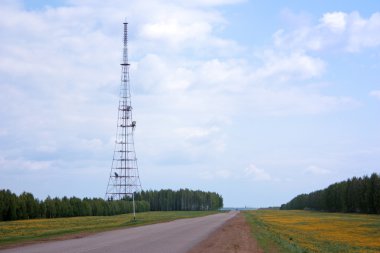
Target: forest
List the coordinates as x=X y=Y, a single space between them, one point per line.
x=355 y=195
x=181 y=200
x=26 y=206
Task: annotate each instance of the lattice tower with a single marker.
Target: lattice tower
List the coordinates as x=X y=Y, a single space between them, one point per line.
x=124 y=178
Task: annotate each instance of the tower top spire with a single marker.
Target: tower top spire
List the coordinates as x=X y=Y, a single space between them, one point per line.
x=125 y=34
x=125 y=48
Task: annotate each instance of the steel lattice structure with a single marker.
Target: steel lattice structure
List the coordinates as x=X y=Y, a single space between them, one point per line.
x=124 y=178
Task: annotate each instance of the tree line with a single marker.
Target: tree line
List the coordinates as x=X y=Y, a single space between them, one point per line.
x=26 y=206
x=181 y=200
x=355 y=195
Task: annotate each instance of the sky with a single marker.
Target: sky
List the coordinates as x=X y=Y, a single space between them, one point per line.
x=257 y=100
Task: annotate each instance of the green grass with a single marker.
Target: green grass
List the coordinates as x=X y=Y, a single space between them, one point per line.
x=306 y=231
x=24 y=231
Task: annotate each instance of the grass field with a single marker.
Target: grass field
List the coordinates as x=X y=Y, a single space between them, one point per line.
x=306 y=231
x=12 y=232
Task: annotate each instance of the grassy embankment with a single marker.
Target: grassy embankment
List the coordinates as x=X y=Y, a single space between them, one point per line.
x=21 y=231
x=306 y=231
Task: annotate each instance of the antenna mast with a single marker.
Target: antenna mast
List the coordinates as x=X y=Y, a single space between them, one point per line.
x=124 y=178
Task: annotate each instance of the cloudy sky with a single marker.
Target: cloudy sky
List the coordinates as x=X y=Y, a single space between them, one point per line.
x=257 y=100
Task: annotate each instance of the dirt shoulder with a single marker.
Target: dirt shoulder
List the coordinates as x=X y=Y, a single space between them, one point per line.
x=233 y=236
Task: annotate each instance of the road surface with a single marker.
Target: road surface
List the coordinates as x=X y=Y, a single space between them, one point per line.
x=177 y=236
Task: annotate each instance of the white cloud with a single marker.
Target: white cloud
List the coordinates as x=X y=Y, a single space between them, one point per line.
x=166 y=75
x=176 y=26
x=315 y=170
x=335 y=21
x=256 y=173
x=171 y=32
x=335 y=30
x=23 y=165
x=231 y=75
x=283 y=67
x=364 y=33
x=200 y=141
x=285 y=101
x=207 y=86
x=375 y=93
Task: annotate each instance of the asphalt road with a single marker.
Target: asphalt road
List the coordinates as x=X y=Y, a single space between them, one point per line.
x=177 y=236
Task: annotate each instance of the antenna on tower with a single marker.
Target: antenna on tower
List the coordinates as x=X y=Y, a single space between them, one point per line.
x=124 y=180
